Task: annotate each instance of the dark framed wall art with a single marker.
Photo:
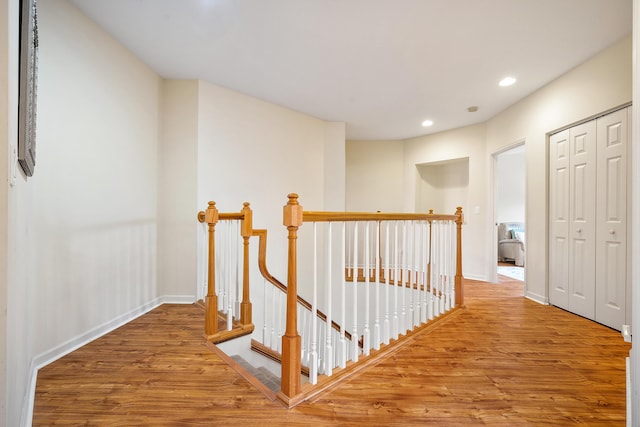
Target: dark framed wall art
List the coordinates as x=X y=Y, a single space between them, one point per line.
x=28 y=85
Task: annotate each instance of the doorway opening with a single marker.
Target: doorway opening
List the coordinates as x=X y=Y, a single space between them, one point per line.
x=509 y=214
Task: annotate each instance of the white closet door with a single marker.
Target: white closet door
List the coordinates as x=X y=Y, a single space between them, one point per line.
x=559 y=219
x=611 y=255
x=582 y=222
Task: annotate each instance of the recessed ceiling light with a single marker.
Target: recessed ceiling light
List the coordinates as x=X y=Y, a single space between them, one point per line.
x=427 y=123
x=507 y=81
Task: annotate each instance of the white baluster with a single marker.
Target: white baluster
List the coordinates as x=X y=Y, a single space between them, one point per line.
x=430 y=271
x=350 y=262
x=403 y=314
x=434 y=268
x=452 y=264
x=313 y=356
x=423 y=271
x=354 y=331
x=229 y=281
x=366 y=340
x=277 y=321
x=452 y=268
x=387 y=280
x=321 y=353
x=264 y=313
x=417 y=248
x=343 y=280
x=220 y=262
x=443 y=272
x=410 y=271
x=447 y=249
x=239 y=266
x=328 y=350
x=377 y=283
x=441 y=276
x=272 y=339
x=396 y=326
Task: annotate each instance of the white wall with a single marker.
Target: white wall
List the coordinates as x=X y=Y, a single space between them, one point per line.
x=335 y=189
x=467 y=142
x=385 y=175
x=83 y=228
x=178 y=184
x=374 y=176
x=633 y=396
x=600 y=84
x=9 y=375
x=442 y=185
x=510 y=186
x=254 y=151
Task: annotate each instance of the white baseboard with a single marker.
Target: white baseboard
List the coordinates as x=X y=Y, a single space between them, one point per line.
x=178 y=299
x=475 y=277
x=75 y=343
x=541 y=299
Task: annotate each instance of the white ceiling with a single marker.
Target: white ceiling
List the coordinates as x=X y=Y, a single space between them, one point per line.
x=381 y=66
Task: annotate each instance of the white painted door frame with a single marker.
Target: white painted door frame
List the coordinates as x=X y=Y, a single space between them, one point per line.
x=492 y=268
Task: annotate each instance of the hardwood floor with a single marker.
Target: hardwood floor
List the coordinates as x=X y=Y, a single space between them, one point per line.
x=503 y=360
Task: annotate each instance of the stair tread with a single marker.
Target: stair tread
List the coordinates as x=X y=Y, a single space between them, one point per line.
x=261 y=373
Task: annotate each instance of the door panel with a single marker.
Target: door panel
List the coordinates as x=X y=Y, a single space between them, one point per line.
x=582 y=221
x=559 y=220
x=611 y=254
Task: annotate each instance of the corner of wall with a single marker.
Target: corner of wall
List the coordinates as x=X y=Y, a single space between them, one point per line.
x=335 y=166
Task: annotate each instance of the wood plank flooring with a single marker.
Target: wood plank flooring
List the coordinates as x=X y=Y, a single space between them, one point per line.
x=502 y=361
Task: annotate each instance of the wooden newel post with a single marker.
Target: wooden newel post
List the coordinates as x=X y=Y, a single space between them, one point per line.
x=246 y=231
x=210 y=216
x=458 y=279
x=291 y=347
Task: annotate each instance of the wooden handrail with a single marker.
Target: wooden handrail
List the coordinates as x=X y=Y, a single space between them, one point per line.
x=319 y=216
x=262 y=266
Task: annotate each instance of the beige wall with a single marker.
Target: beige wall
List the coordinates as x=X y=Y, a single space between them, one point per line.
x=442 y=185
x=384 y=175
x=254 y=151
x=14 y=381
x=106 y=228
x=83 y=228
x=598 y=85
x=178 y=184
x=374 y=176
x=510 y=186
x=335 y=166
x=467 y=142
x=80 y=236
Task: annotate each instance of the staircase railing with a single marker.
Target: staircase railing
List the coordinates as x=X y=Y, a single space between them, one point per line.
x=222 y=295
x=370 y=279
x=388 y=274
x=228 y=266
